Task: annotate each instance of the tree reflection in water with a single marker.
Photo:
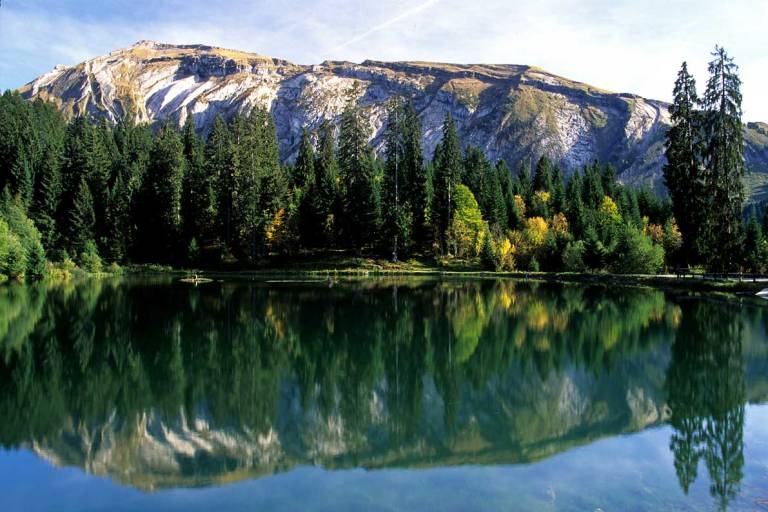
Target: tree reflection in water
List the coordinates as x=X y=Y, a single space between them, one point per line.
x=236 y=379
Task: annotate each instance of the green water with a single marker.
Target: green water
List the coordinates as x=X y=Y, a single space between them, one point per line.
x=150 y=394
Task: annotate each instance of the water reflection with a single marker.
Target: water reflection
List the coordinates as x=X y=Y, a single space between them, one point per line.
x=707 y=391
x=158 y=384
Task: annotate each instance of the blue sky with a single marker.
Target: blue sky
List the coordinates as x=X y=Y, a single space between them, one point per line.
x=621 y=45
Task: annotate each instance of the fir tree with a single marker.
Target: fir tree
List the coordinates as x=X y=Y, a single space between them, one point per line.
x=199 y=201
x=360 y=195
x=525 y=186
x=542 y=178
x=325 y=196
x=397 y=214
x=724 y=161
x=161 y=225
x=81 y=219
x=683 y=171
x=304 y=169
x=558 y=191
x=448 y=172
x=419 y=177
x=221 y=163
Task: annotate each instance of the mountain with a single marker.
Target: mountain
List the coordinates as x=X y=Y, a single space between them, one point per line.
x=510 y=111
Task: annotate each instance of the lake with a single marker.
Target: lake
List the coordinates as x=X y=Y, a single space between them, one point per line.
x=380 y=394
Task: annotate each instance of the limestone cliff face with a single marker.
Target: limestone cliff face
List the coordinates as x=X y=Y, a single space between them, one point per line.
x=512 y=112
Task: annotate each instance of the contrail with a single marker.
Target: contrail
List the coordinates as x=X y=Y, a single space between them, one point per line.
x=389 y=22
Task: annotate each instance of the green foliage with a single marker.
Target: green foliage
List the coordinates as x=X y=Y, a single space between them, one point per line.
x=573 y=256
x=89 y=258
x=467 y=230
x=637 y=254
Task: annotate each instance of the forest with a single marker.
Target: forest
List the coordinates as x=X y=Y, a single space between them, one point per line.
x=85 y=192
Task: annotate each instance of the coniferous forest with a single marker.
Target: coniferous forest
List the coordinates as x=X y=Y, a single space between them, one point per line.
x=89 y=193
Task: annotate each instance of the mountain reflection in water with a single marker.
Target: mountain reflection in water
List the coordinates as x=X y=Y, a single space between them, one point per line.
x=158 y=384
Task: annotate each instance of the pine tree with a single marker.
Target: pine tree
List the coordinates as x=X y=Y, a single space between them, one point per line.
x=683 y=173
x=162 y=188
x=448 y=172
x=724 y=161
x=221 y=162
x=305 y=185
x=325 y=196
x=81 y=221
x=542 y=178
x=304 y=169
x=514 y=218
x=360 y=198
x=576 y=214
x=419 y=179
x=754 y=251
x=199 y=201
x=525 y=186
x=593 y=186
x=396 y=214
x=558 y=191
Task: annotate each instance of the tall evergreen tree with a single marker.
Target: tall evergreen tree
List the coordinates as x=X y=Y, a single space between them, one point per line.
x=325 y=196
x=514 y=216
x=724 y=161
x=81 y=220
x=221 y=163
x=162 y=192
x=419 y=177
x=524 y=183
x=558 y=191
x=304 y=168
x=683 y=172
x=448 y=172
x=360 y=192
x=397 y=215
x=305 y=185
x=199 y=201
x=542 y=178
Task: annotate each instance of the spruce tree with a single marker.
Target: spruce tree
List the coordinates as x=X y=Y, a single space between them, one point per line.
x=305 y=186
x=325 y=196
x=81 y=220
x=504 y=175
x=754 y=250
x=397 y=215
x=199 y=201
x=304 y=168
x=558 y=191
x=683 y=172
x=221 y=162
x=448 y=172
x=162 y=188
x=724 y=161
x=419 y=179
x=524 y=183
x=576 y=214
x=542 y=178
x=360 y=198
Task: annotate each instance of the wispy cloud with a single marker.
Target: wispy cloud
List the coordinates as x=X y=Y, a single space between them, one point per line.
x=615 y=44
x=392 y=21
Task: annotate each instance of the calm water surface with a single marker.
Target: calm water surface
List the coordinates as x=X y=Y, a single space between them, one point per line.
x=380 y=395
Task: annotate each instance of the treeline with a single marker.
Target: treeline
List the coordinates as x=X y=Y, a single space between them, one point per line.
x=130 y=194
x=125 y=194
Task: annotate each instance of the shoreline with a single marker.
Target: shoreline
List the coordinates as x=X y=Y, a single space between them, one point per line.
x=661 y=281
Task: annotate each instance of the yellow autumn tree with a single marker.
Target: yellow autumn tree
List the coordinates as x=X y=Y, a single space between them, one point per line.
x=465 y=234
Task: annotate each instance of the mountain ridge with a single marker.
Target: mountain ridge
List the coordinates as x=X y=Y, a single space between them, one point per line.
x=511 y=111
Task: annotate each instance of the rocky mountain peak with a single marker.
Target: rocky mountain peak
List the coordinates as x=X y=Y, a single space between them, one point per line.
x=515 y=112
